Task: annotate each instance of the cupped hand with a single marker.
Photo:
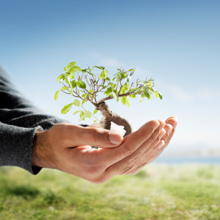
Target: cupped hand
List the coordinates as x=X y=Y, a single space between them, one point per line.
x=66 y=147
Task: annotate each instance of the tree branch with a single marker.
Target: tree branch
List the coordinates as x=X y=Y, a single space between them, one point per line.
x=121 y=95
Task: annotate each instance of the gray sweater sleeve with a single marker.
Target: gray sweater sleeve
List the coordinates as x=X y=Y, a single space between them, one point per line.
x=19 y=120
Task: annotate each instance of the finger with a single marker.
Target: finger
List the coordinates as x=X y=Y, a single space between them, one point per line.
x=149 y=157
x=156 y=154
x=168 y=128
x=156 y=145
x=130 y=143
x=156 y=142
x=153 y=153
x=173 y=122
x=95 y=125
x=127 y=163
x=91 y=136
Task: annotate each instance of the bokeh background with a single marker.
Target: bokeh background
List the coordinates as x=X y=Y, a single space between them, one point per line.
x=174 y=42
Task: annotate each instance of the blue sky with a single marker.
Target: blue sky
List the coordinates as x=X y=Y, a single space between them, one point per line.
x=174 y=42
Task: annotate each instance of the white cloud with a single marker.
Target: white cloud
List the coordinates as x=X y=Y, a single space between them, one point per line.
x=176 y=91
x=180 y=93
x=106 y=61
x=208 y=94
x=190 y=94
x=110 y=62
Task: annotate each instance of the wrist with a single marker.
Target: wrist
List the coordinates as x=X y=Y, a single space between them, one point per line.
x=38 y=149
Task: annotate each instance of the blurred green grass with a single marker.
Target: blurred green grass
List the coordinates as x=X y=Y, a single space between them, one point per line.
x=164 y=192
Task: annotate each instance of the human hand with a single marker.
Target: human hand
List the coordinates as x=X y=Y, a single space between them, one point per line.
x=66 y=147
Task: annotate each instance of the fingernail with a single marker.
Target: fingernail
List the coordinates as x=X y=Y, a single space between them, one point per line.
x=162 y=133
x=169 y=131
x=115 y=138
x=160 y=144
x=174 y=125
x=156 y=126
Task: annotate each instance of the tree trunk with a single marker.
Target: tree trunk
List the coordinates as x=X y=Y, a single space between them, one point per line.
x=108 y=116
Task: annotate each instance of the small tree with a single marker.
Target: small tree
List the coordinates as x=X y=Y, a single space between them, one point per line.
x=85 y=86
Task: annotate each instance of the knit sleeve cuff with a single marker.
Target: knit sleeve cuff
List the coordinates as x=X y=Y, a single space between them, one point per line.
x=16 y=147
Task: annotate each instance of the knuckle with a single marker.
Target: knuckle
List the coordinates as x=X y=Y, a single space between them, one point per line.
x=134 y=159
x=127 y=151
x=94 y=135
x=153 y=124
x=126 y=167
x=98 y=135
x=141 y=165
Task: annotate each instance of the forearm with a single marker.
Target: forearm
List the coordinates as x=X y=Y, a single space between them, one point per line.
x=16 y=147
x=16 y=110
x=19 y=121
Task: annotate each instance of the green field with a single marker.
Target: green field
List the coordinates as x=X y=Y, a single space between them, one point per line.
x=157 y=192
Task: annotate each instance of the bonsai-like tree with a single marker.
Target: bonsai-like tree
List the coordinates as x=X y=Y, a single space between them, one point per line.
x=85 y=86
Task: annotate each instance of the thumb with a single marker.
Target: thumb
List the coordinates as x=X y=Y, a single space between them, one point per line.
x=97 y=137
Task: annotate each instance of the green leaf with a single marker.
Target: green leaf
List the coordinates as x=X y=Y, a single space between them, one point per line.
x=72 y=70
x=125 y=101
x=147 y=94
x=108 y=91
x=133 y=96
x=62 y=76
x=67 y=79
x=115 y=96
x=76 y=102
x=82 y=118
x=88 y=114
x=72 y=75
x=156 y=94
x=99 y=67
x=73 y=84
x=131 y=70
x=56 y=95
x=77 y=112
x=148 y=83
x=95 y=121
x=123 y=75
x=91 y=74
x=151 y=89
x=84 y=101
x=112 y=85
x=104 y=74
x=81 y=84
x=64 y=88
x=69 y=65
x=71 y=91
x=141 y=100
x=66 y=108
x=77 y=68
x=82 y=113
x=95 y=111
x=85 y=95
x=161 y=97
